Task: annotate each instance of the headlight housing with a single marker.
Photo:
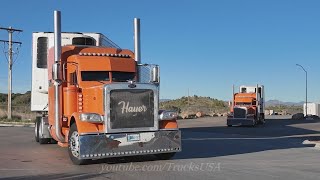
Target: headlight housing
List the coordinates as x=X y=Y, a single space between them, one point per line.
x=168 y=115
x=91 y=117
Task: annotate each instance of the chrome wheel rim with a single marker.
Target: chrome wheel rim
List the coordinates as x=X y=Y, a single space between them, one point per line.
x=74 y=144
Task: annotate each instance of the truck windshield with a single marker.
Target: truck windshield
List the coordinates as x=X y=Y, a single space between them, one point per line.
x=122 y=76
x=243 y=104
x=95 y=75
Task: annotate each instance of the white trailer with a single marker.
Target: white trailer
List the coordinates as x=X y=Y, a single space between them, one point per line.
x=42 y=41
x=312 y=109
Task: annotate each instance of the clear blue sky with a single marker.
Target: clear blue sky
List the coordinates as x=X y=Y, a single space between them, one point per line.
x=203 y=45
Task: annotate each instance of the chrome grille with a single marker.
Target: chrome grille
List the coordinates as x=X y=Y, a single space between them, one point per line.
x=239 y=112
x=131 y=108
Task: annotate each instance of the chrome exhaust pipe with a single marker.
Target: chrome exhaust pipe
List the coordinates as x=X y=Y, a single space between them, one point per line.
x=257 y=100
x=232 y=105
x=137 y=50
x=57 y=36
x=57 y=81
x=257 y=93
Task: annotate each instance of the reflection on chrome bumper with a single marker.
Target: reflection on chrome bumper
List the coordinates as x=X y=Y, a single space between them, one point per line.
x=240 y=121
x=115 y=145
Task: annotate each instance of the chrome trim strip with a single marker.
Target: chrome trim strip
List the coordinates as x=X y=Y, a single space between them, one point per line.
x=171 y=129
x=91 y=133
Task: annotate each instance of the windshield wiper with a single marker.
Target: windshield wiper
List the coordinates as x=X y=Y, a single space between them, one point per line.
x=120 y=80
x=100 y=81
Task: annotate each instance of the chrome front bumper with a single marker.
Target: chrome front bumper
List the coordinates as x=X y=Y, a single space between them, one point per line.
x=240 y=121
x=117 y=145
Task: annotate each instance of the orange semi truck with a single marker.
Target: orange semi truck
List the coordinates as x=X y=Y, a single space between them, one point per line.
x=247 y=106
x=98 y=99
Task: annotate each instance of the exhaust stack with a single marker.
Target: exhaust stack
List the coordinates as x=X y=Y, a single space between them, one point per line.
x=57 y=36
x=57 y=80
x=257 y=96
x=257 y=91
x=137 y=50
x=232 y=105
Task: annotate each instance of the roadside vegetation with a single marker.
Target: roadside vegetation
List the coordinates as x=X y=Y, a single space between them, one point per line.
x=187 y=107
x=20 y=107
x=196 y=106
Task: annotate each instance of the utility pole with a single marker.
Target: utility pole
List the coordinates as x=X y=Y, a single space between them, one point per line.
x=10 y=63
x=306 y=108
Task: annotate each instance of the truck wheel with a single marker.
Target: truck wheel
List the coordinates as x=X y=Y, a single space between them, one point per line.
x=165 y=156
x=74 y=147
x=41 y=140
x=36 y=130
x=53 y=141
x=37 y=135
x=44 y=140
x=255 y=122
x=262 y=120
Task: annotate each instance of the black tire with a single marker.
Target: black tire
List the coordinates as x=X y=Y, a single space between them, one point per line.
x=255 y=122
x=44 y=140
x=73 y=153
x=41 y=140
x=229 y=125
x=262 y=119
x=165 y=156
x=37 y=125
x=36 y=130
x=53 y=141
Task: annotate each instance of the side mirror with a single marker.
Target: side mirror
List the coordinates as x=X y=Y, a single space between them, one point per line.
x=156 y=74
x=56 y=72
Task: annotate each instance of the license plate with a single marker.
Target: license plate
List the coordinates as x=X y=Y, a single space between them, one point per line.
x=133 y=137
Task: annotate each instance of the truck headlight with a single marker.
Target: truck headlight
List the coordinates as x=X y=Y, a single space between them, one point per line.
x=168 y=115
x=91 y=117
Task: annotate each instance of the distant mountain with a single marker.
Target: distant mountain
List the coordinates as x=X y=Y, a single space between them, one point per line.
x=277 y=103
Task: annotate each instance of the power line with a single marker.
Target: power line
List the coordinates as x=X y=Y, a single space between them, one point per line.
x=10 y=29
x=14 y=42
x=10 y=63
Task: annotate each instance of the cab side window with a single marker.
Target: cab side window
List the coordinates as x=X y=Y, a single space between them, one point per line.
x=73 y=78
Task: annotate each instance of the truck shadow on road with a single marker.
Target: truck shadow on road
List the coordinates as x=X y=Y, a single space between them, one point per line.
x=215 y=141
x=205 y=142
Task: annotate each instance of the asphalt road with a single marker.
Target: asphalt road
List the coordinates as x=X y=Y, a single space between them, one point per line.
x=210 y=151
